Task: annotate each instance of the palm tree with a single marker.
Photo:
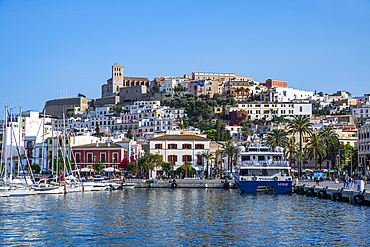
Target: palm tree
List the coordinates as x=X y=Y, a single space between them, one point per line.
x=301 y=126
x=217 y=154
x=246 y=131
x=315 y=147
x=229 y=151
x=290 y=149
x=208 y=156
x=276 y=138
x=299 y=157
x=330 y=140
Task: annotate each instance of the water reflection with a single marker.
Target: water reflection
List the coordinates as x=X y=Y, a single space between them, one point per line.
x=187 y=217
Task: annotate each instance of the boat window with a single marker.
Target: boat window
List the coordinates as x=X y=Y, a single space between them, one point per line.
x=261 y=158
x=246 y=157
x=276 y=157
x=254 y=157
x=243 y=172
x=252 y=149
x=264 y=172
x=268 y=157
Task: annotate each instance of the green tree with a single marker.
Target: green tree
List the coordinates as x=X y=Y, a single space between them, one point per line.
x=276 y=138
x=290 y=149
x=211 y=134
x=97 y=131
x=131 y=167
x=301 y=126
x=35 y=168
x=207 y=155
x=230 y=151
x=185 y=169
x=315 y=147
x=98 y=167
x=117 y=110
x=331 y=143
x=167 y=167
x=129 y=133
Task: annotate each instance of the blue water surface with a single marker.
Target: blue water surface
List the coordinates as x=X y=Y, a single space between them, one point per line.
x=181 y=217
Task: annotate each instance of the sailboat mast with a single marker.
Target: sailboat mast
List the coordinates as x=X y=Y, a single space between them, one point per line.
x=6 y=144
x=64 y=144
x=2 y=150
x=52 y=147
x=20 y=134
x=11 y=145
x=43 y=140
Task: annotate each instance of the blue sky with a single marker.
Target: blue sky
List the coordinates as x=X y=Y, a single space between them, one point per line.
x=47 y=47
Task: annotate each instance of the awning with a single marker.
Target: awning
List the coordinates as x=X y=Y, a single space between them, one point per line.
x=86 y=169
x=110 y=169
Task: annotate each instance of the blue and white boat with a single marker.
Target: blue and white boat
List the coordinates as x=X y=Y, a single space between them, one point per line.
x=262 y=170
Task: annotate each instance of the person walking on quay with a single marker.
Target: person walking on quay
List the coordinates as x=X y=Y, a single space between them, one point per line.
x=318 y=180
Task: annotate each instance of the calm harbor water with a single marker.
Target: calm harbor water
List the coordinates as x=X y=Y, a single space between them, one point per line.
x=181 y=217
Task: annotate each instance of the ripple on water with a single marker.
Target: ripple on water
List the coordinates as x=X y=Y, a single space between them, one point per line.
x=182 y=217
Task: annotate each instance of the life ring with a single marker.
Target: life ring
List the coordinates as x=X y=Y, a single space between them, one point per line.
x=276 y=178
x=174 y=185
x=321 y=194
x=226 y=185
x=310 y=192
x=300 y=190
x=254 y=178
x=337 y=197
x=358 y=199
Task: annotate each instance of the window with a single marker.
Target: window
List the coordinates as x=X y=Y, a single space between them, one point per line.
x=172 y=158
x=186 y=158
x=89 y=158
x=78 y=158
x=102 y=158
x=172 y=146
x=300 y=109
x=115 y=158
x=186 y=146
x=158 y=146
x=199 y=160
x=199 y=146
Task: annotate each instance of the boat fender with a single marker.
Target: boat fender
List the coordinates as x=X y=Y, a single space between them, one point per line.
x=358 y=199
x=321 y=194
x=337 y=197
x=310 y=192
x=226 y=185
x=300 y=190
x=254 y=178
x=174 y=185
x=276 y=178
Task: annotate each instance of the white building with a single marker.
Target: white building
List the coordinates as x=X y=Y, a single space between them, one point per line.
x=280 y=94
x=181 y=149
x=267 y=110
x=361 y=112
x=364 y=146
x=365 y=98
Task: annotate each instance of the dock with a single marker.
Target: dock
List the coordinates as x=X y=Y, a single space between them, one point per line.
x=334 y=191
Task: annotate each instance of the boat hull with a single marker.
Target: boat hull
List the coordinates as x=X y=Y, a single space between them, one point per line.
x=280 y=187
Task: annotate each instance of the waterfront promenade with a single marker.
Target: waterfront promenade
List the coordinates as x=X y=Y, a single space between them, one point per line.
x=332 y=185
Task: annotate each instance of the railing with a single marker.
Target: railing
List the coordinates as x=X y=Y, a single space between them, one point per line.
x=263 y=163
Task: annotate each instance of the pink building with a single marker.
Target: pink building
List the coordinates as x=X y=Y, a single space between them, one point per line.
x=276 y=83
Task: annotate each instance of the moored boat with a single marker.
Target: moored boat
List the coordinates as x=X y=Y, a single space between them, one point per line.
x=263 y=170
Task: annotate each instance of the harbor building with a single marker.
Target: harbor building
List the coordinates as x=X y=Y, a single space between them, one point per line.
x=181 y=149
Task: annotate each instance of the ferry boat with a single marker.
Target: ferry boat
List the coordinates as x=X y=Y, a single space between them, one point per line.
x=262 y=170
